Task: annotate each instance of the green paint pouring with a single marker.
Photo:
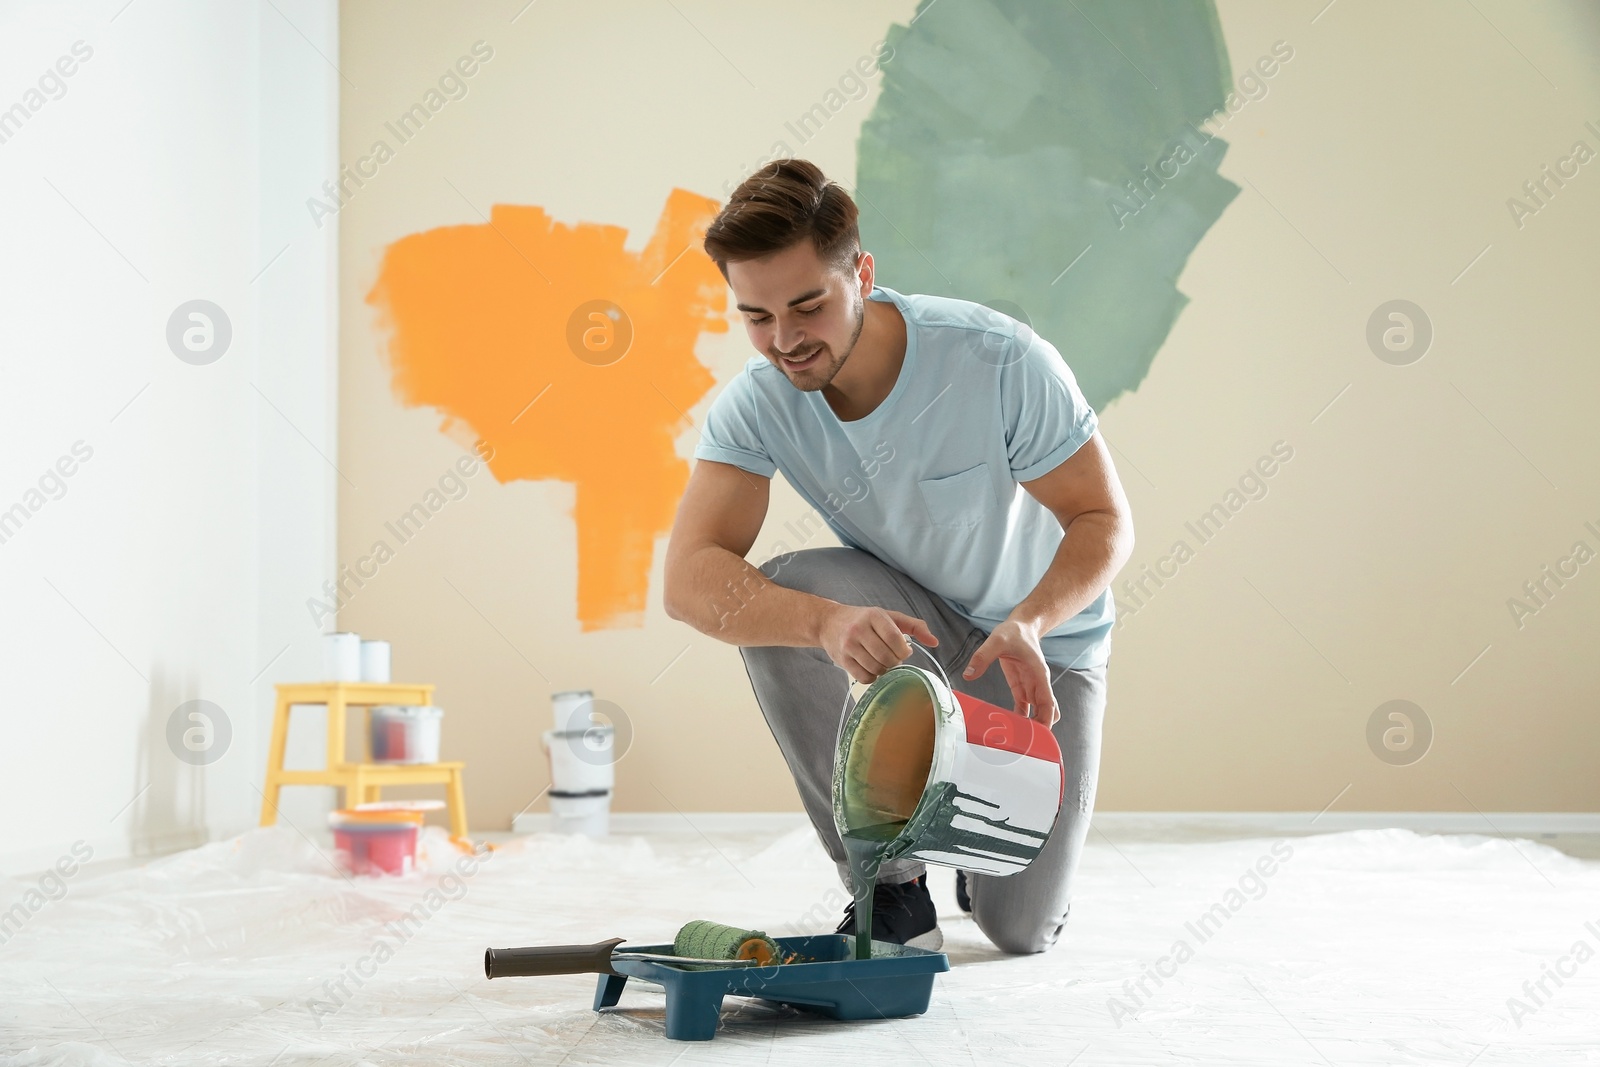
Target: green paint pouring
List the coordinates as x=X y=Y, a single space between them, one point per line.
x=910 y=781
x=866 y=848
x=879 y=779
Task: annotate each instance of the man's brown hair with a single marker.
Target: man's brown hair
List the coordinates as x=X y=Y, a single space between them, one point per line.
x=784 y=202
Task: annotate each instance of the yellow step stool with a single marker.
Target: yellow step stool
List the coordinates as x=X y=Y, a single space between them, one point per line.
x=362 y=782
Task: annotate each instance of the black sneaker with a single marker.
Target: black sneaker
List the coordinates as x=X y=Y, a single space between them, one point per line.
x=961 y=892
x=902 y=914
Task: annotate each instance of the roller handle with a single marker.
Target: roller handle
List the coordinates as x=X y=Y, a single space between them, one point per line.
x=550 y=959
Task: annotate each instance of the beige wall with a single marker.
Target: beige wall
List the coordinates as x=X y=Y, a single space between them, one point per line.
x=1378 y=565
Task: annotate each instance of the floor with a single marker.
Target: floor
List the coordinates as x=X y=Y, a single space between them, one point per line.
x=1361 y=947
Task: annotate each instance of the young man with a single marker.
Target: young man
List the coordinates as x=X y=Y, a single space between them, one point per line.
x=949 y=448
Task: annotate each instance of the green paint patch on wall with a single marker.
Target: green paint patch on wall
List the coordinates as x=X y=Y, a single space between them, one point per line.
x=1049 y=160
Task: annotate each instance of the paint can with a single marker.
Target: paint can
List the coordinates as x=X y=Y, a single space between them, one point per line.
x=405 y=733
x=573 y=709
x=341 y=657
x=581 y=813
x=375 y=661
x=944 y=777
x=581 y=778
x=376 y=841
x=580 y=751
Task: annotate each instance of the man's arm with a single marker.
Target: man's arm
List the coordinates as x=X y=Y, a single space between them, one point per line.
x=710 y=586
x=1086 y=497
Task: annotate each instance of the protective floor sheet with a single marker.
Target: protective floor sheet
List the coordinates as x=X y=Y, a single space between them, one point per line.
x=1369 y=947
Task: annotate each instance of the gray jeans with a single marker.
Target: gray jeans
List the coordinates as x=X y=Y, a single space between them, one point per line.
x=802 y=696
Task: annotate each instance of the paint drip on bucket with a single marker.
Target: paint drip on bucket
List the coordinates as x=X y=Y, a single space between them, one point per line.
x=923 y=772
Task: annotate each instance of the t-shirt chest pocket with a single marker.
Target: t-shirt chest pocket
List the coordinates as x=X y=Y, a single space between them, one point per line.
x=958 y=500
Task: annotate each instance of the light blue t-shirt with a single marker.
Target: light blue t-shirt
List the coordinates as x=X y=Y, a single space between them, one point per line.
x=928 y=481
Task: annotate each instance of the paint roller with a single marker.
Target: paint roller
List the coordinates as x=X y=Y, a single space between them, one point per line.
x=700 y=945
x=704 y=939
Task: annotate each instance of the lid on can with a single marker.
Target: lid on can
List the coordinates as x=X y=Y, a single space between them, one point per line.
x=424 y=804
x=407 y=711
x=353 y=819
x=583 y=731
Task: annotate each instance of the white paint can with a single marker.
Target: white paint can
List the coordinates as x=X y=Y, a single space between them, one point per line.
x=406 y=733
x=341 y=657
x=581 y=813
x=375 y=661
x=581 y=752
x=580 y=760
x=573 y=709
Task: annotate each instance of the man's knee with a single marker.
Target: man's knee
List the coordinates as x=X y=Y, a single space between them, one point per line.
x=819 y=571
x=1020 y=938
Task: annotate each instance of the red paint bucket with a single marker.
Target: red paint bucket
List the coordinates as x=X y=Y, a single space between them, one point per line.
x=376 y=842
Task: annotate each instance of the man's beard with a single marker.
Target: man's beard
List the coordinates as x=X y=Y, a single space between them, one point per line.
x=810 y=381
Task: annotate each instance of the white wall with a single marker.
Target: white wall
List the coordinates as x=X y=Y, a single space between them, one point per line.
x=176 y=562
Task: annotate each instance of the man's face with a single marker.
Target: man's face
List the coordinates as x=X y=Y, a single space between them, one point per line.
x=795 y=305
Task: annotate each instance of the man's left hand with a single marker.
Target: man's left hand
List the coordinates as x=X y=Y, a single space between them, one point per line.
x=1016 y=646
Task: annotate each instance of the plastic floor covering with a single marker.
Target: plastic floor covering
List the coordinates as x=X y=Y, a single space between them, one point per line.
x=1368 y=947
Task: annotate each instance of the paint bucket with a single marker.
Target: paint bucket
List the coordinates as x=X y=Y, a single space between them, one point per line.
x=581 y=813
x=580 y=760
x=573 y=709
x=581 y=778
x=405 y=733
x=375 y=661
x=945 y=777
x=580 y=751
x=341 y=657
x=374 y=842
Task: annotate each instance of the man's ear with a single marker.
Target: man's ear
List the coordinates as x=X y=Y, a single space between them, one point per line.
x=864 y=273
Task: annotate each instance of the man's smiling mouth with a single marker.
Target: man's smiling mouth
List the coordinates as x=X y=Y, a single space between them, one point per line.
x=796 y=361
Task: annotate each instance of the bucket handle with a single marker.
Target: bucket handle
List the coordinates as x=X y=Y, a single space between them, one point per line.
x=933 y=660
x=914 y=643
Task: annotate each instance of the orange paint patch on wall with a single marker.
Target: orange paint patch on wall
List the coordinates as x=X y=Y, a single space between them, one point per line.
x=573 y=358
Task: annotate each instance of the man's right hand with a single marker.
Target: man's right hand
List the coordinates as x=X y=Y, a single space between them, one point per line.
x=866 y=642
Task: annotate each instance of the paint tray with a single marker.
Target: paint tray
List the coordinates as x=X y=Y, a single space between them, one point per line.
x=897 y=981
x=824 y=978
